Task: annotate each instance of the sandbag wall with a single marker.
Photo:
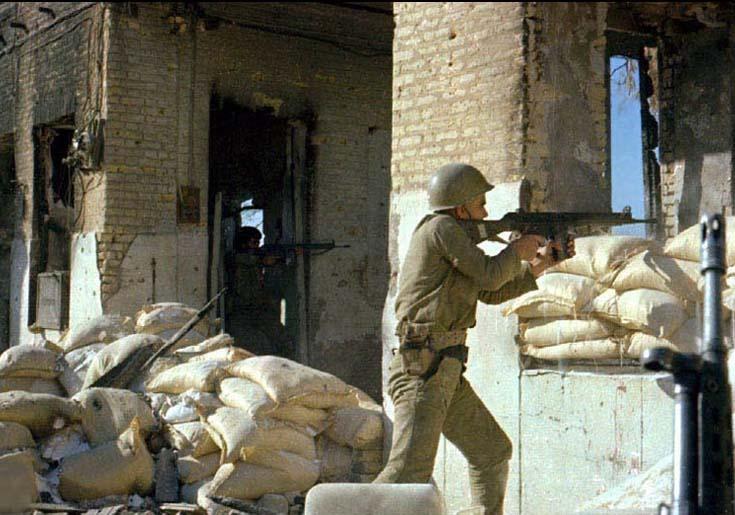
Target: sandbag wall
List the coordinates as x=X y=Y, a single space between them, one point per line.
x=617 y=297
x=242 y=427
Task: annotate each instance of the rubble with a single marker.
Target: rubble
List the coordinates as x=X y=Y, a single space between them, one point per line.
x=223 y=425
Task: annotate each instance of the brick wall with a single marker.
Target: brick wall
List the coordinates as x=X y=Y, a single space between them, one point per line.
x=159 y=88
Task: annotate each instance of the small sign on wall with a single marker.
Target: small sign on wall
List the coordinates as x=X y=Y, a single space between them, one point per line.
x=187 y=205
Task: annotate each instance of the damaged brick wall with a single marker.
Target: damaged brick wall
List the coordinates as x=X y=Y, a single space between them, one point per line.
x=49 y=71
x=160 y=79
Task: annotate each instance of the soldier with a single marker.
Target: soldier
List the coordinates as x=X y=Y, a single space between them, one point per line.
x=443 y=276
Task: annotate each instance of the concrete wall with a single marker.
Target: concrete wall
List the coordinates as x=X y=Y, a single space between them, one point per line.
x=159 y=88
x=519 y=90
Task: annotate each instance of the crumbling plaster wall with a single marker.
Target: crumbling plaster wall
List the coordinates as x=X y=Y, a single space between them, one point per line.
x=47 y=71
x=696 y=126
x=159 y=87
x=519 y=90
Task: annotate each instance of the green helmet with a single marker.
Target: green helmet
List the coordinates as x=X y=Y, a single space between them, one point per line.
x=455 y=184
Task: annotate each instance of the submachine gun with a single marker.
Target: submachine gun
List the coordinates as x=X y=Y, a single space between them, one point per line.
x=703 y=448
x=553 y=226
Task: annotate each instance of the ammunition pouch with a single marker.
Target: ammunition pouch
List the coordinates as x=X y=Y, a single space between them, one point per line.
x=421 y=355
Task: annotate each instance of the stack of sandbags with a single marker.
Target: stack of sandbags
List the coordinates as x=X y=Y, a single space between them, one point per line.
x=31 y=368
x=616 y=297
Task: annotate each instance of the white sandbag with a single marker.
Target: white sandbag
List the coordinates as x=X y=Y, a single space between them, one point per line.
x=117 y=352
x=335 y=461
x=120 y=467
x=250 y=481
x=190 y=406
x=160 y=365
x=651 y=311
x=202 y=376
x=15 y=437
x=70 y=440
x=604 y=306
x=688 y=243
x=75 y=364
x=29 y=361
x=225 y=355
x=190 y=439
x=688 y=337
x=593 y=349
x=192 y=470
x=164 y=316
x=559 y=295
x=356 y=427
x=542 y=332
x=638 y=342
x=41 y=413
x=252 y=398
x=235 y=432
x=193 y=337
x=208 y=345
x=190 y=492
x=101 y=329
x=31 y=385
x=18 y=489
x=597 y=256
x=662 y=273
x=287 y=381
x=110 y=411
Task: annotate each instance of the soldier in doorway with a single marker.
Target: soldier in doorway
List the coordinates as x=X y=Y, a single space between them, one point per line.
x=443 y=277
x=255 y=312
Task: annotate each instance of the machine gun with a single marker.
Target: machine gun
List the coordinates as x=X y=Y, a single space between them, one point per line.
x=703 y=448
x=553 y=226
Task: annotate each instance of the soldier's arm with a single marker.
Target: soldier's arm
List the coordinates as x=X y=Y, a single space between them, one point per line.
x=488 y=272
x=523 y=283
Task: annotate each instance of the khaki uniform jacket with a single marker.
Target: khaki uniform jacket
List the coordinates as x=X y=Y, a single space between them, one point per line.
x=445 y=274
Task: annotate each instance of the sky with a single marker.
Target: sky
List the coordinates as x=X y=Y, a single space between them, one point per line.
x=627 y=159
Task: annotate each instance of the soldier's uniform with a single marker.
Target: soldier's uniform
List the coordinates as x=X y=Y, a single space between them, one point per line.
x=443 y=277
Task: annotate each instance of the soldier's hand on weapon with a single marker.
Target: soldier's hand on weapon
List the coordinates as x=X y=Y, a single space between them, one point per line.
x=548 y=255
x=527 y=246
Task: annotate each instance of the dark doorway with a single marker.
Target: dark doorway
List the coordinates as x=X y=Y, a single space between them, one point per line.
x=8 y=220
x=252 y=193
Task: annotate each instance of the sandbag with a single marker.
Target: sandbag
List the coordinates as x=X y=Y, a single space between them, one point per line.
x=190 y=439
x=604 y=306
x=193 y=469
x=688 y=243
x=225 y=355
x=37 y=411
x=101 y=329
x=252 y=398
x=245 y=480
x=356 y=427
x=208 y=345
x=29 y=361
x=638 y=342
x=120 y=467
x=108 y=412
x=164 y=316
x=287 y=381
x=31 y=385
x=190 y=406
x=235 y=432
x=559 y=295
x=190 y=492
x=652 y=312
x=335 y=461
x=202 y=376
x=542 y=332
x=117 y=352
x=594 y=349
x=597 y=256
x=75 y=364
x=662 y=273
x=15 y=436
x=18 y=488
x=688 y=337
